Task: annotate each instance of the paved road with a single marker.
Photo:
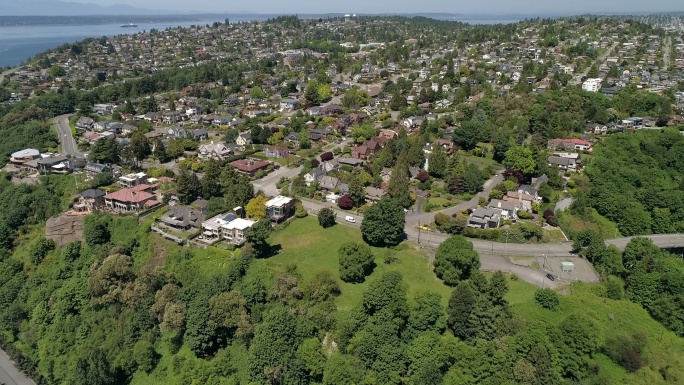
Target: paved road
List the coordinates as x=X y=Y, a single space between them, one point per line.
x=66 y=139
x=7 y=73
x=268 y=184
x=666 y=53
x=414 y=219
x=9 y=374
x=598 y=62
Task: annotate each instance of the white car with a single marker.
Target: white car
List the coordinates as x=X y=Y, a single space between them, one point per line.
x=350 y=219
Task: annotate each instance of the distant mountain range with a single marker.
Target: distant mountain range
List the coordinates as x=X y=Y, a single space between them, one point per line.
x=67 y=8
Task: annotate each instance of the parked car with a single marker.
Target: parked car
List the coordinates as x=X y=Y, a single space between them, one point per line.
x=550 y=276
x=350 y=219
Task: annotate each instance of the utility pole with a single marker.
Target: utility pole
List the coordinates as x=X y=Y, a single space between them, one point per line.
x=419 y=231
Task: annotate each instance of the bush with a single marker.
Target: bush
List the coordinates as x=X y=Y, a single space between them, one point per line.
x=525 y=215
x=547 y=298
x=300 y=211
x=626 y=351
x=326 y=218
x=423 y=176
x=456 y=260
x=326 y=156
x=441 y=220
x=356 y=262
x=345 y=203
x=548 y=214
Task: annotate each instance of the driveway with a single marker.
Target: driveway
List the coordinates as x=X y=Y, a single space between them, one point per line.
x=268 y=184
x=414 y=219
x=9 y=374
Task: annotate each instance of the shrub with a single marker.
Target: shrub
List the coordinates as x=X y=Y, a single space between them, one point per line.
x=300 y=211
x=441 y=220
x=326 y=217
x=356 y=262
x=548 y=214
x=423 y=176
x=345 y=203
x=525 y=215
x=547 y=298
x=326 y=156
x=626 y=351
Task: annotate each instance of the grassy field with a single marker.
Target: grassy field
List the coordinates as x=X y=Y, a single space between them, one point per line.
x=554 y=236
x=612 y=319
x=314 y=249
x=596 y=222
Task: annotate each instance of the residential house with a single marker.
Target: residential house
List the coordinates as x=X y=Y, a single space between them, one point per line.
x=226 y=227
x=524 y=201
x=328 y=183
x=90 y=200
x=569 y=144
x=133 y=179
x=176 y=132
x=484 y=218
x=528 y=189
x=182 y=217
x=374 y=194
x=200 y=134
x=235 y=231
x=23 y=156
x=280 y=208
x=248 y=166
x=292 y=139
x=93 y=169
x=386 y=174
x=276 y=151
x=171 y=117
x=565 y=161
x=216 y=151
x=330 y=165
x=313 y=176
x=509 y=210
x=244 y=139
x=289 y=104
x=85 y=123
x=130 y=200
x=55 y=164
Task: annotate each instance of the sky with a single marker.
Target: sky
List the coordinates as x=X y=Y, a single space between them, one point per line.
x=405 y=6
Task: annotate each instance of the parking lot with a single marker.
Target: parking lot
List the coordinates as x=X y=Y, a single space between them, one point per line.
x=583 y=270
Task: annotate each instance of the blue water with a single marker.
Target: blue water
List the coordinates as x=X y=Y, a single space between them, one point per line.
x=17 y=44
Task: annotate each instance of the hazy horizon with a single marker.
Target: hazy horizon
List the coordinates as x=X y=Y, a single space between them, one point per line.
x=401 y=6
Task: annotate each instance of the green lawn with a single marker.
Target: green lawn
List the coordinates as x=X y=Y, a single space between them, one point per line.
x=313 y=249
x=554 y=236
x=436 y=204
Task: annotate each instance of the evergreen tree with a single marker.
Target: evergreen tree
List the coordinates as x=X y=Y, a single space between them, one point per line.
x=188 y=187
x=398 y=188
x=139 y=147
x=211 y=183
x=356 y=191
x=438 y=162
x=461 y=306
x=160 y=151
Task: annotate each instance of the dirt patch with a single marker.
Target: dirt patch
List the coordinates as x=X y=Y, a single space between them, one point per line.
x=64 y=229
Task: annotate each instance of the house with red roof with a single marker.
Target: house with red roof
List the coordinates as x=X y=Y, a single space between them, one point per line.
x=131 y=200
x=248 y=166
x=569 y=144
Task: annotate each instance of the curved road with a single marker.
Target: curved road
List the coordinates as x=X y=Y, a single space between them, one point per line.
x=9 y=374
x=66 y=138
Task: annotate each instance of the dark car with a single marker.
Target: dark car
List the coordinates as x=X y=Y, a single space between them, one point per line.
x=550 y=276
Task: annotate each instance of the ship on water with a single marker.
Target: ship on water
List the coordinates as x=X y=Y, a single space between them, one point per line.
x=129 y=25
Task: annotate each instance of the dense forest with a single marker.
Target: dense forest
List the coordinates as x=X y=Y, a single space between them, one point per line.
x=125 y=306
x=636 y=180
